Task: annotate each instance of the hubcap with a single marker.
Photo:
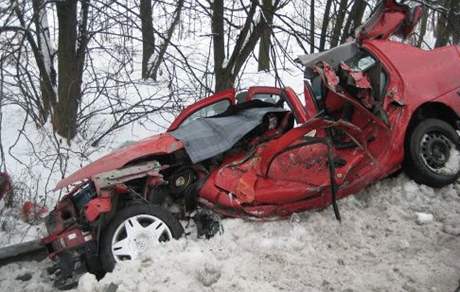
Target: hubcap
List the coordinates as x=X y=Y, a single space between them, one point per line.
x=136 y=235
x=439 y=154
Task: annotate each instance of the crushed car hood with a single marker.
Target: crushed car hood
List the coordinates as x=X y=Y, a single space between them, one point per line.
x=155 y=145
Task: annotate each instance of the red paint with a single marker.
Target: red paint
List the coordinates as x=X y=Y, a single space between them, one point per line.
x=360 y=79
x=96 y=207
x=153 y=146
x=68 y=240
x=391 y=19
x=296 y=105
x=262 y=90
x=32 y=211
x=278 y=179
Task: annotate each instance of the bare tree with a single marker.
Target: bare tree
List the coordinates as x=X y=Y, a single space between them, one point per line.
x=227 y=67
x=265 y=39
x=148 y=37
x=423 y=28
x=325 y=25
x=341 y=14
x=166 y=40
x=73 y=39
x=448 y=23
x=312 y=26
x=354 y=19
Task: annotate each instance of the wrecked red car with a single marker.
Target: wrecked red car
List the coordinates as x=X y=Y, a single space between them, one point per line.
x=372 y=106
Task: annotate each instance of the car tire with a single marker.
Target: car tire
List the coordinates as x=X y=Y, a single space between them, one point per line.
x=136 y=213
x=431 y=154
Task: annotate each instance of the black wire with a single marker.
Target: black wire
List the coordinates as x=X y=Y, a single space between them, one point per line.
x=332 y=173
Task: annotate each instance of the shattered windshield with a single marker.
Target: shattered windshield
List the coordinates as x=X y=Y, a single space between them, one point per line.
x=361 y=62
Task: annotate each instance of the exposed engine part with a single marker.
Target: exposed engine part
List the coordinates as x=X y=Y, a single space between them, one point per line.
x=157 y=195
x=191 y=195
x=183 y=184
x=181 y=180
x=82 y=197
x=207 y=224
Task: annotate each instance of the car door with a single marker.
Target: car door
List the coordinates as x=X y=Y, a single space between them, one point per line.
x=390 y=18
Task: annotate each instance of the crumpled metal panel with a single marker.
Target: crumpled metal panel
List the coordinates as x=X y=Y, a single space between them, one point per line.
x=155 y=145
x=333 y=57
x=207 y=137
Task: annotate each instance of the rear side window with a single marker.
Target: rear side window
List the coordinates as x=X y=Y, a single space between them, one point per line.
x=208 y=111
x=366 y=63
x=265 y=97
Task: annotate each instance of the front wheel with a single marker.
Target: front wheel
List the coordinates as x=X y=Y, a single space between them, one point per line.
x=432 y=155
x=135 y=229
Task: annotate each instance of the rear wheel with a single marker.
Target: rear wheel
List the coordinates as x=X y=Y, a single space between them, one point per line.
x=433 y=154
x=135 y=229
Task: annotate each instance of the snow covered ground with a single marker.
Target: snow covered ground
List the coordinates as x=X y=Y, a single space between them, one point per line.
x=383 y=244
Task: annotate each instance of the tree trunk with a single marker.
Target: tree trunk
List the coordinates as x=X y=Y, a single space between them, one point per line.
x=71 y=58
x=155 y=66
x=335 y=38
x=48 y=82
x=148 y=38
x=423 y=27
x=226 y=70
x=354 y=19
x=455 y=21
x=48 y=95
x=265 y=39
x=324 y=27
x=217 y=27
x=448 y=23
x=312 y=26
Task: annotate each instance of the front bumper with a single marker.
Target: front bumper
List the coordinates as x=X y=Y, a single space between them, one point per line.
x=68 y=240
x=74 y=252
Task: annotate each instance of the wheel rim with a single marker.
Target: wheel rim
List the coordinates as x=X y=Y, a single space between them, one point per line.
x=439 y=154
x=136 y=235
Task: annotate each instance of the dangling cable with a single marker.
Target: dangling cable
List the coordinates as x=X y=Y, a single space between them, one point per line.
x=332 y=174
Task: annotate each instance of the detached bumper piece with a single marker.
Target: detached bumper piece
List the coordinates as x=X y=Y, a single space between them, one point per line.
x=72 y=251
x=67 y=271
x=70 y=265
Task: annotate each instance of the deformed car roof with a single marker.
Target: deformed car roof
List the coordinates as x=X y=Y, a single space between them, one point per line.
x=207 y=137
x=333 y=57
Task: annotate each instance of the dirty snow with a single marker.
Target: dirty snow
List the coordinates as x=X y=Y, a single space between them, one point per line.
x=378 y=247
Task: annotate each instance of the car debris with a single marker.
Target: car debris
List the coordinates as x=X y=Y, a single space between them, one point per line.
x=370 y=110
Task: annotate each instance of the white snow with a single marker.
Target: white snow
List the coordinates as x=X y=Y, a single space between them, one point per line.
x=377 y=247
x=424 y=218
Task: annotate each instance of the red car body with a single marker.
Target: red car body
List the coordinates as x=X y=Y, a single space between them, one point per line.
x=290 y=171
x=269 y=192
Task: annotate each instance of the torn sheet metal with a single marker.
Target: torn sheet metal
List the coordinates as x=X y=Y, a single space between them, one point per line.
x=207 y=137
x=333 y=57
x=360 y=80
